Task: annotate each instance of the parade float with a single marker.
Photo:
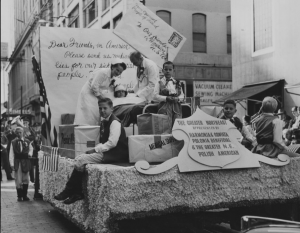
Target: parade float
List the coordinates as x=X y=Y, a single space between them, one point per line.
x=198 y=168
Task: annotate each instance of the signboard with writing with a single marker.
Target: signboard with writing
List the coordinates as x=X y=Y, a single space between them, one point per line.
x=211 y=91
x=68 y=55
x=18 y=111
x=4 y=49
x=149 y=34
x=209 y=144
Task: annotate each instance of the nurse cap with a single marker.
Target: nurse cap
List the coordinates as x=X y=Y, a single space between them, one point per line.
x=119 y=61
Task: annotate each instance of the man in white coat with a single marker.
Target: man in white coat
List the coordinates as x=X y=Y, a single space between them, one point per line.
x=147 y=76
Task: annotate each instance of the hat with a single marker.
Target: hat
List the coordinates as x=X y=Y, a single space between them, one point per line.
x=120 y=87
x=119 y=61
x=16 y=120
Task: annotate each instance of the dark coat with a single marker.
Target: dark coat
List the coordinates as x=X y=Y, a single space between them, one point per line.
x=118 y=153
x=21 y=157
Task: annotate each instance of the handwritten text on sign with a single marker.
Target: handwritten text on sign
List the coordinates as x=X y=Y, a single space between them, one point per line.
x=211 y=91
x=68 y=55
x=149 y=34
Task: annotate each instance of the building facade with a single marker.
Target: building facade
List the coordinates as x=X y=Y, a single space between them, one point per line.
x=23 y=91
x=206 y=55
x=266 y=48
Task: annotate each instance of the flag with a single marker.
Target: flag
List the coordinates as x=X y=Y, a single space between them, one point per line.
x=46 y=129
x=50 y=162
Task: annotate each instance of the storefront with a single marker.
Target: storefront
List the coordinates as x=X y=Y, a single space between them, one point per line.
x=254 y=93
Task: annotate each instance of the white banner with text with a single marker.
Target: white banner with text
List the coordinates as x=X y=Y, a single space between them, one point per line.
x=68 y=55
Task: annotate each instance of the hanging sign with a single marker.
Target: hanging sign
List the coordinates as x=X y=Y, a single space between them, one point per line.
x=149 y=34
x=209 y=91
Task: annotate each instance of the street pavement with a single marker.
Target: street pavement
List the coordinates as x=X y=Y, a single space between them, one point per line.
x=34 y=216
x=38 y=216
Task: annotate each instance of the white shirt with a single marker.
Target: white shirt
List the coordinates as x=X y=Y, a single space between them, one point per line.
x=277 y=132
x=12 y=153
x=297 y=123
x=99 y=83
x=246 y=134
x=145 y=86
x=114 y=135
x=171 y=87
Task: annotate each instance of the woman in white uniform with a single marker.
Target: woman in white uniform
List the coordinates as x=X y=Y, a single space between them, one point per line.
x=100 y=85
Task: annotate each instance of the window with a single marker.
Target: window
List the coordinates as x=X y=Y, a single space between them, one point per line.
x=58 y=8
x=199 y=33
x=228 y=22
x=106 y=26
x=165 y=16
x=63 y=5
x=117 y=20
x=90 y=11
x=64 y=23
x=105 y=4
x=262 y=24
x=74 y=18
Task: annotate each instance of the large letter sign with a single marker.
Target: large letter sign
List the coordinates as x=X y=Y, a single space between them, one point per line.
x=149 y=34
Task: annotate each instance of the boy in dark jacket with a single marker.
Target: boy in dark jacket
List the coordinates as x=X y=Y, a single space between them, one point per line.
x=113 y=147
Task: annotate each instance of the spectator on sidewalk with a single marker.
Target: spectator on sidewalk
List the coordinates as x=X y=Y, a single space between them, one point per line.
x=19 y=154
x=36 y=144
x=4 y=159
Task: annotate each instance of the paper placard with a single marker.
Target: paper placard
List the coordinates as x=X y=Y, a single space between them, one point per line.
x=210 y=144
x=68 y=55
x=149 y=34
x=209 y=91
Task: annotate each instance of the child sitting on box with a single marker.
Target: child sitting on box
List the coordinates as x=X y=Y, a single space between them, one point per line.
x=169 y=93
x=229 y=109
x=269 y=131
x=113 y=147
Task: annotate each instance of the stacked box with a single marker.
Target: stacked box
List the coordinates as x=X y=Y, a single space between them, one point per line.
x=67 y=119
x=153 y=148
x=86 y=138
x=67 y=140
x=151 y=124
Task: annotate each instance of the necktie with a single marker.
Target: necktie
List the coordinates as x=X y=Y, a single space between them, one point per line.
x=101 y=129
x=20 y=146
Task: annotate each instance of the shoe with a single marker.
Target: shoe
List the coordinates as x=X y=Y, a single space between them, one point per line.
x=73 y=198
x=62 y=196
x=19 y=199
x=26 y=199
x=24 y=192
x=38 y=196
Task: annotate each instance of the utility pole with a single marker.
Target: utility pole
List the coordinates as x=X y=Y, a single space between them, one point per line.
x=21 y=101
